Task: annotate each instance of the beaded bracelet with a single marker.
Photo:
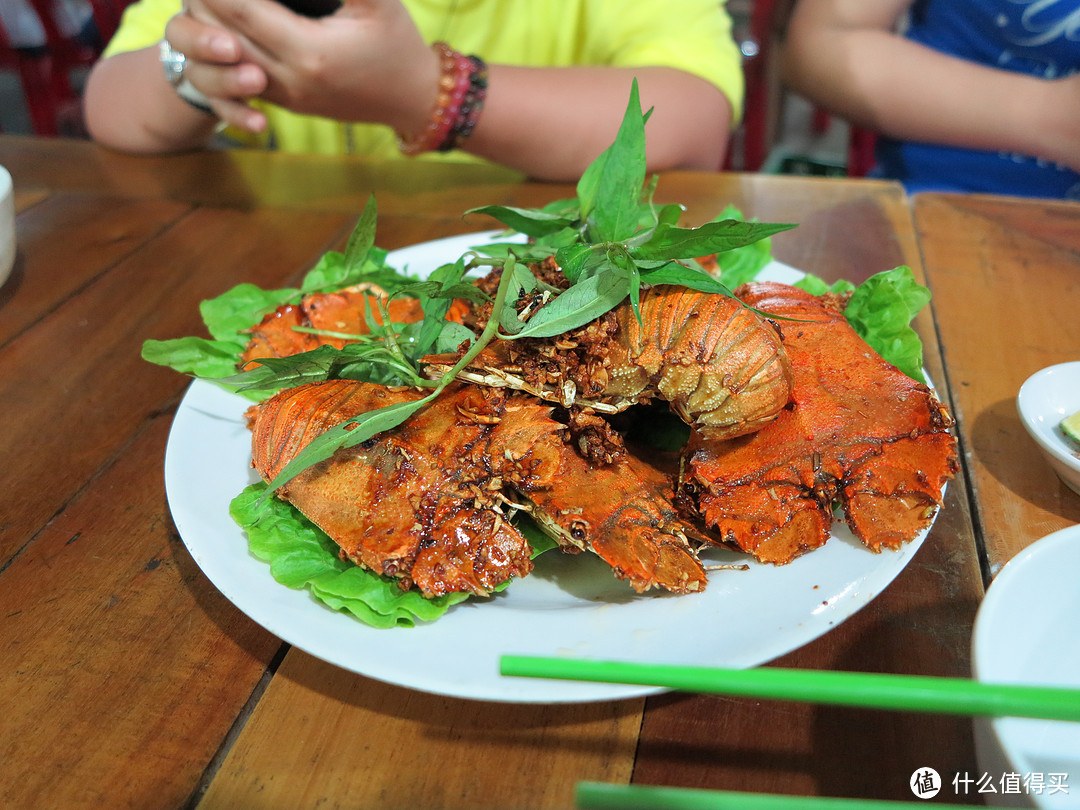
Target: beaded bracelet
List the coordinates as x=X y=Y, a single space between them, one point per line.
x=471 y=106
x=461 y=92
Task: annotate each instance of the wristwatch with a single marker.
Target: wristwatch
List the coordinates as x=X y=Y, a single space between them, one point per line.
x=173 y=63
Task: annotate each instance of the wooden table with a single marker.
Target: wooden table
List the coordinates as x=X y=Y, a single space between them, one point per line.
x=128 y=680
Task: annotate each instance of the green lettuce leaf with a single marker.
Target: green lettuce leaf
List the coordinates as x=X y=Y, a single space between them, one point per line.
x=880 y=311
x=301 y=555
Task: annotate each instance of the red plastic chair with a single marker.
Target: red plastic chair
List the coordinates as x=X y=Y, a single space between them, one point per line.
x=752 y=139
x=35 y=75
x=45 y=73
x=766 y=22
x=861 y=151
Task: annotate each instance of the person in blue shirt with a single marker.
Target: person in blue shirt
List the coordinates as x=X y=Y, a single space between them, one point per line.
x=965 y=95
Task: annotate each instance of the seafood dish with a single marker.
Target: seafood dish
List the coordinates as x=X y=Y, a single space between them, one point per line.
x=441 y=432
x=790 y=413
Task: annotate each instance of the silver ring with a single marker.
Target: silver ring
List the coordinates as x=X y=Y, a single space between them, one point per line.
x=172 y=63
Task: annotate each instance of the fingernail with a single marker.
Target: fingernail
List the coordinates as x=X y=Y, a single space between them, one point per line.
x=251 y=79
x=223 y=48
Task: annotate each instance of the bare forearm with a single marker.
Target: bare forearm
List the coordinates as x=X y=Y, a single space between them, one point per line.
x=130 y=106
x=552 y=122
x=878 y=79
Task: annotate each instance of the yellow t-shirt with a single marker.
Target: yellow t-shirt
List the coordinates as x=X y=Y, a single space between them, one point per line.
x=691 y=35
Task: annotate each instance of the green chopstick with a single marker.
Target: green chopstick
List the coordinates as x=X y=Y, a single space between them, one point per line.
x=864 y=689
x=601 y=796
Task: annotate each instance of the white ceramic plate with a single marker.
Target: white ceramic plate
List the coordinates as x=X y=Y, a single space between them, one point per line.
x=570 y=605
x=1045 y=398
x=1027 y=630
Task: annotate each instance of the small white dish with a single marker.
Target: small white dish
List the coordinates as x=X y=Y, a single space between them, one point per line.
x=1045 y=398
x=1027 y=630
x=7 y=224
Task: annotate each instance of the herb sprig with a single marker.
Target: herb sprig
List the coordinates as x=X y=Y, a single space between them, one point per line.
x=609 y=241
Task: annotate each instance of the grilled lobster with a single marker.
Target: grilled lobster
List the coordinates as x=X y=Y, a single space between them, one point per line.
x=858 y=432
x=718 y=365
x=428 y=502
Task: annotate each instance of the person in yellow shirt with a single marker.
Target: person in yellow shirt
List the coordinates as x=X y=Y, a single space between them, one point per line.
x=536 y=85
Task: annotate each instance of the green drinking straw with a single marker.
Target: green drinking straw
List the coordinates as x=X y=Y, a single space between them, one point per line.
x=868 y=690
x=601 y=796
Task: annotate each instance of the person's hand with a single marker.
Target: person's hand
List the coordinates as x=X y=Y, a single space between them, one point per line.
x=1056 y=124
x=214 y=68
x=366 y=62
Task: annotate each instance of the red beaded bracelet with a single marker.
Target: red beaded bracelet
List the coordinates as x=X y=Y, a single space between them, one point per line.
x=462 y=89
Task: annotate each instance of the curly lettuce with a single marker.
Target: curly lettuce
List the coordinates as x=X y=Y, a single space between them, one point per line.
x=880 y=311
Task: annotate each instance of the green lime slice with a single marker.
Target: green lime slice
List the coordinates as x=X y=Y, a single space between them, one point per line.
x=1070 y=426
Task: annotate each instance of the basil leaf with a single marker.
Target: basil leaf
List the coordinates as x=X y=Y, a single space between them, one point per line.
x=435 y=289
x=510 y=322
x=362 y=239
x=331 y=274
x=623 y=261
x=281 y=372
x=609 y=190
x=349 y=433
x=693 y=277
x=584 y=302
x=572 y=261
x=529 y=221
x=669 y=242
x=435 y=307
x=451 y=336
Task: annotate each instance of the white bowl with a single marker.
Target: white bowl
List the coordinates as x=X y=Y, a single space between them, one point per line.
x=1045 y=398
x=1027 y=630
x=7 y=224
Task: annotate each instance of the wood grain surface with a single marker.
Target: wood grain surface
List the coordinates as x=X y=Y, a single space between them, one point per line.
x=1005 y=274
x=129 y=681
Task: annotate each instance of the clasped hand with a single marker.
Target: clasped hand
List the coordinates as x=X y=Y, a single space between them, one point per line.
x=366 y=62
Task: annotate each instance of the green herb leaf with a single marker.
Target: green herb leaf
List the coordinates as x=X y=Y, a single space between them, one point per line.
x=438 y=289
x=330 y=274
x=742 y=264
x=609 y=191
x=451 y=336
x=572 y=260
x=362 y=239
x=669 y=242
x=529 y=221
x=273 y=373
x=692 y=276
x=349 y=433
x=621 y=259
x=585 y=301
x=192 y=355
